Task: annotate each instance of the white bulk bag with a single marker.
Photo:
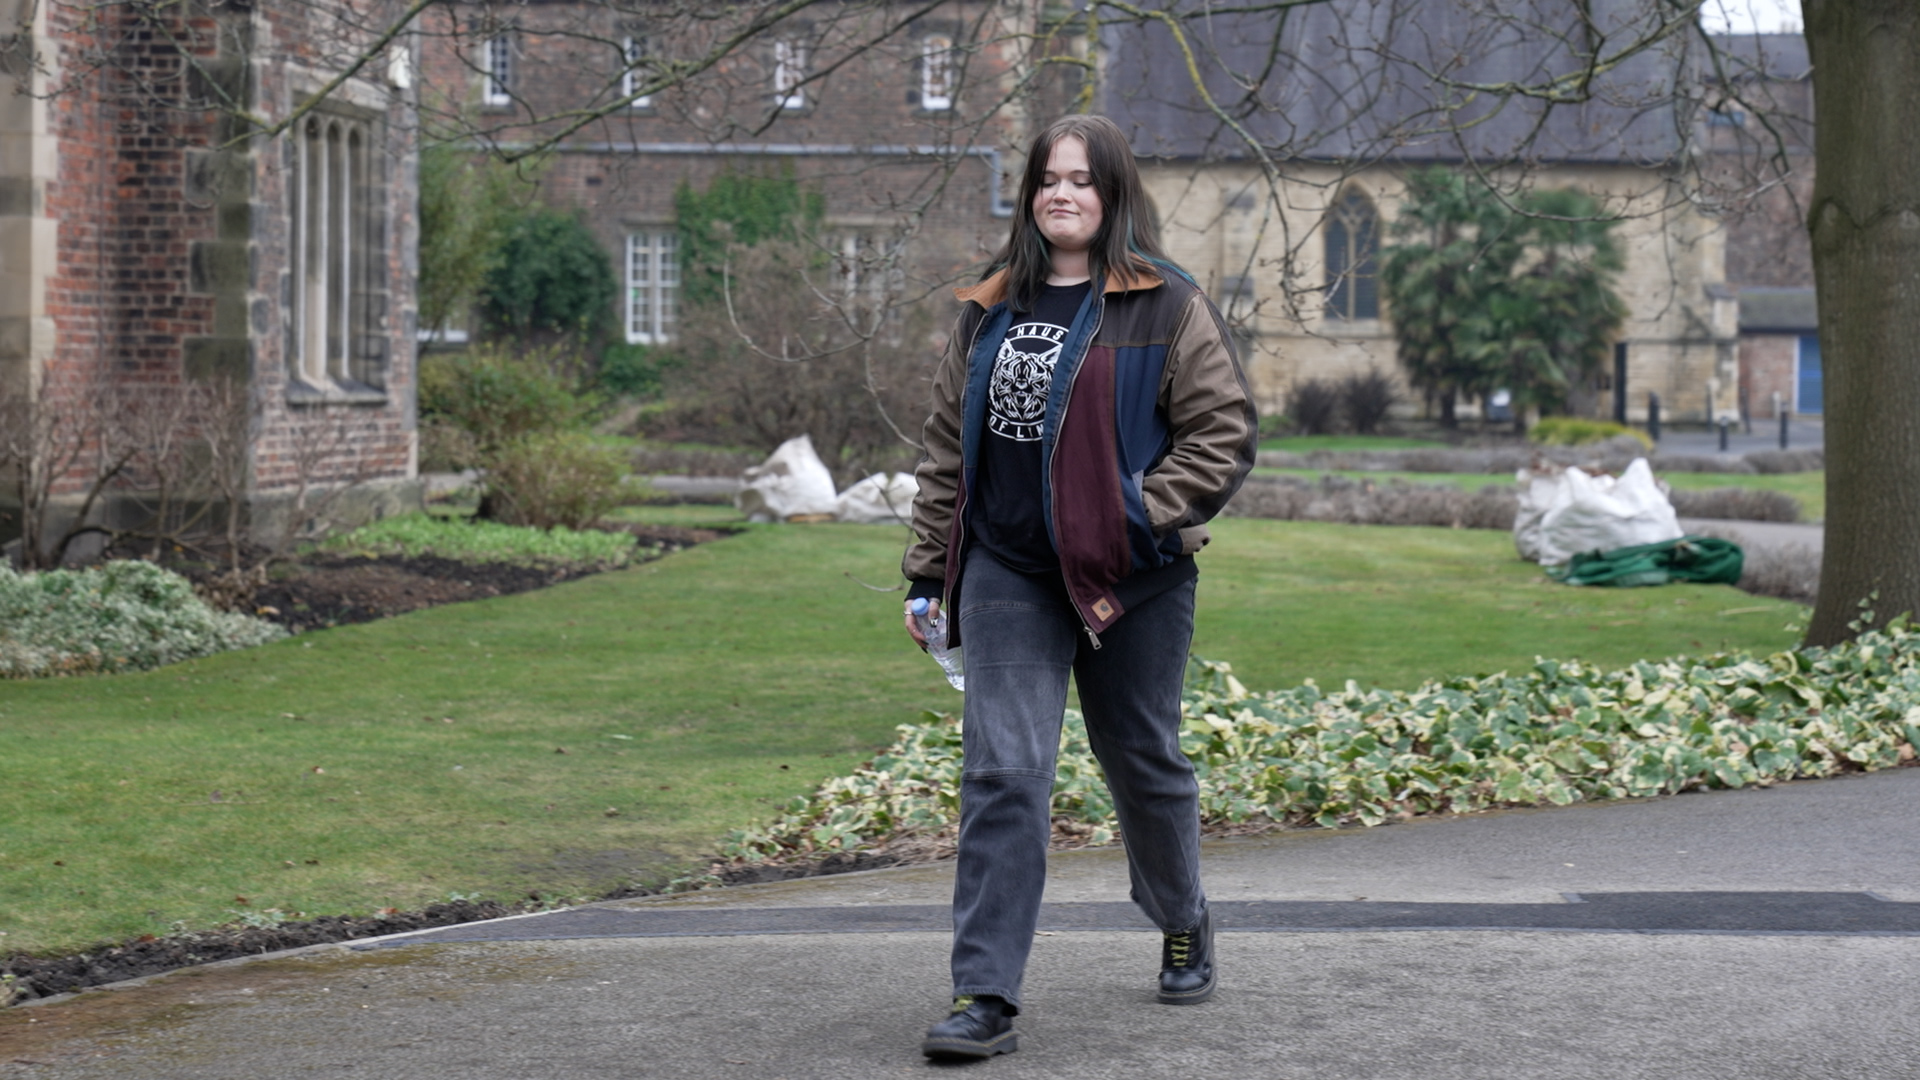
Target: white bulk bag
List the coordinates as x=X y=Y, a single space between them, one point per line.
x=878 y=500
x=1570 y=513
x=791 y=482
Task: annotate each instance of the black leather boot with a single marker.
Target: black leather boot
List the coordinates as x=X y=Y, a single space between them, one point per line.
x=1186 y=964
x=978 y=1027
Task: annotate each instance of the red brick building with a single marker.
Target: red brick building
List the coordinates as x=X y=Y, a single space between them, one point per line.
x=154 y=239
x=883 y=133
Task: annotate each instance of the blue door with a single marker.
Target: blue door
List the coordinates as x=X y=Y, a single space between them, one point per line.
x=1808 y=397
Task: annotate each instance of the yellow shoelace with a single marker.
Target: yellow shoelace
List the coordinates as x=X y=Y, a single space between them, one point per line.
x=1182 y=946
x=962 y=1003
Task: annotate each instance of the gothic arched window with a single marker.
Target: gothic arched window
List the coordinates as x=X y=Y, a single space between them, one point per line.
x=1353 y=258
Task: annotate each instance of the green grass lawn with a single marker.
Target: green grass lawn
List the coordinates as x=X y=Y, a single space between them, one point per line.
x=394 y=763
x=1393 y=607
x=685 y=515
x=1808 y=487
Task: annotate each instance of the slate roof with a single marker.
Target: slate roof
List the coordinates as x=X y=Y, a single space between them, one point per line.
x=1368 y=80
x=1769 y=56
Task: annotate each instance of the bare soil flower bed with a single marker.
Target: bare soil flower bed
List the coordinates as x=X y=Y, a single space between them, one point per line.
x=323 y=589
x=33 y=978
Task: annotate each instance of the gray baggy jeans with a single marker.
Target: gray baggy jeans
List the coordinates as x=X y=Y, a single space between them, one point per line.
x=1021 y=638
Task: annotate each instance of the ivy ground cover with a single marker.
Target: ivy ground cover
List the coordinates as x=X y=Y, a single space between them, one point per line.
x=1556 y=733
x=478 y=748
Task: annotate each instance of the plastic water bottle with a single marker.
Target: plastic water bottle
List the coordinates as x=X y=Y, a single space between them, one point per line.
x=935 y=631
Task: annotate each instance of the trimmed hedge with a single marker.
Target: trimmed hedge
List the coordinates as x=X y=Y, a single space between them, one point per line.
x=1562 y=732
x=121 y=616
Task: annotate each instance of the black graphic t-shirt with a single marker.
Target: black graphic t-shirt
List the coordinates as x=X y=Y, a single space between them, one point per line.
x=1008 y=519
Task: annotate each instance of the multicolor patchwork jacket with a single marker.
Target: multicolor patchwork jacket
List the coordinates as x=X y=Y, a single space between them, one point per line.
x=1149 y=429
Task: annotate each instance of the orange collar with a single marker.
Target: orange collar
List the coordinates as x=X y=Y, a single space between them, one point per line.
x=994 y=289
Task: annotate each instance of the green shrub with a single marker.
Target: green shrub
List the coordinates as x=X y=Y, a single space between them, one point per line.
x=553 y=479
x=553 y=277
x=496 y=396
x=486 y=542
x=121 y=616
x=1579 y=431
x=632 y=370
x=1562 y=732
x=446 y=446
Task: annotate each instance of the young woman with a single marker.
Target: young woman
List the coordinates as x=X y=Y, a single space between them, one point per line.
x=1088 y=419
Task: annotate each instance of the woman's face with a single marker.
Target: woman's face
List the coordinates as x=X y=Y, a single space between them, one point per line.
x=1066 y=206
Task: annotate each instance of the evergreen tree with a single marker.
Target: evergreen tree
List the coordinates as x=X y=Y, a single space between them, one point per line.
x=1488 y=294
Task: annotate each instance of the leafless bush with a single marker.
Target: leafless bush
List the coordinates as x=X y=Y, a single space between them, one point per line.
x=1736 y=504
x=1314 y=406
x=1364 y=502
x=554 y=479
x=1365 y=399
x=791 y=353
x=1787 y=461
x=60 y=432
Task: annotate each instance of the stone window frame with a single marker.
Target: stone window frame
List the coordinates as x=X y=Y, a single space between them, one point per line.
x=336 y=343
x=1352 y=262
x=653 y=284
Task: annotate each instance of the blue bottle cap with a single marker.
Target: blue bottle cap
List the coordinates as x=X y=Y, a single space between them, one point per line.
x=919 y=605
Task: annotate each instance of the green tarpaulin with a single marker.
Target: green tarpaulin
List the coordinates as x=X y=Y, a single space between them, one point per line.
x=1705 y=559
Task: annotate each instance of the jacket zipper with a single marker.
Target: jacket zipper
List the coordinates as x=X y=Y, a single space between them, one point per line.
x=1100 y=314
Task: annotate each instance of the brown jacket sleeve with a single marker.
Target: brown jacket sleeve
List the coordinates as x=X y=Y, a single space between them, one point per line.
x=938 y=472
x=1211 y=419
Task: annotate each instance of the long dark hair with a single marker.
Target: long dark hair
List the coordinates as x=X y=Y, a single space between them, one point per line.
x=1127 y=240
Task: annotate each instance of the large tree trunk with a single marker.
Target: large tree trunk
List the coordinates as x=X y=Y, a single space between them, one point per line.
x=1865 y=223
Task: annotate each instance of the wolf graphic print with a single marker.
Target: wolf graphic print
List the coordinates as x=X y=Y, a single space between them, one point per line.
x=1022 y=375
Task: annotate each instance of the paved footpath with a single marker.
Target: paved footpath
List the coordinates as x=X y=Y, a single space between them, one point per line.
x=1747 y=935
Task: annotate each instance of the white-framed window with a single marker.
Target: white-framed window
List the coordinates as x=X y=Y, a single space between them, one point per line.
x=330 y=250
x=634 y=50
x=497 y=70
x=789 y=72
x=936 y=73
x=653 y=285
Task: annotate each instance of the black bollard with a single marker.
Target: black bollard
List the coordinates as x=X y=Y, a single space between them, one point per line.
x=1723 y=434
x=1784 y=415
x=1653 y=416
